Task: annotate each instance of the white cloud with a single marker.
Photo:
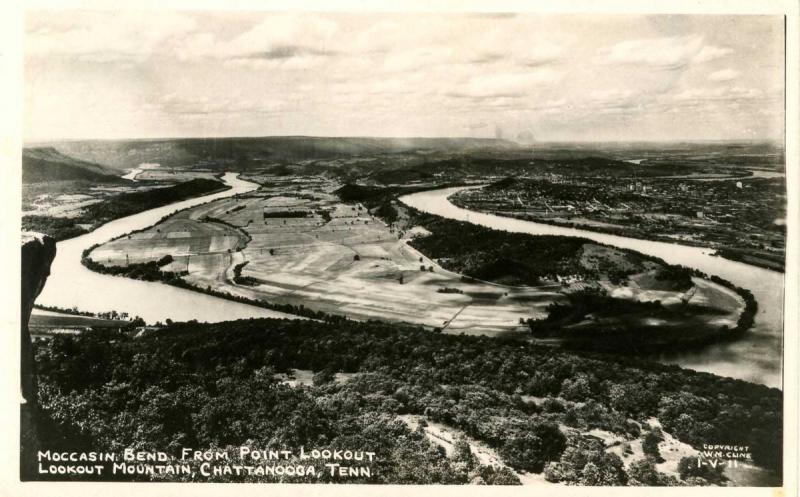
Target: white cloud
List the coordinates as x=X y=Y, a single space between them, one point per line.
x=99 y=37
x=708 y=53
x=668 y=52
x=723 y=75
x=406 y=45
x=341 y=73
x=291 y=41
x=504 y=44
x=288 y=41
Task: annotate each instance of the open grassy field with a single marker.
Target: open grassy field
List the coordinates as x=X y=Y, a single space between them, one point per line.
x=294 y=242
x=45 y=322
x=195 y=244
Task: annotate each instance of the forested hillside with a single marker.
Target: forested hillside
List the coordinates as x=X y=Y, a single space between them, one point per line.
x=214 y=385
x=47 y=164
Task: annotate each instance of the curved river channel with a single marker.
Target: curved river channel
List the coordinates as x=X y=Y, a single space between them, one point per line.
x=72 y=284
x=757 y=357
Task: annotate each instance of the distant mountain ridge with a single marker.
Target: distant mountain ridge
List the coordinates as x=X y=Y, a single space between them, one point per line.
x=125 y=154
x=41 y=164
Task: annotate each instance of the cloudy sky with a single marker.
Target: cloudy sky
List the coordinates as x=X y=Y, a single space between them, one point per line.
x=553 y=77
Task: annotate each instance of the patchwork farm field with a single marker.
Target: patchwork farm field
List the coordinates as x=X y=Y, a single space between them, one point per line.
x=294 y=242
x=45 y=322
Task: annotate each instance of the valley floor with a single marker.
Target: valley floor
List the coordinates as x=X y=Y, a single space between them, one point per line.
x=294 y=242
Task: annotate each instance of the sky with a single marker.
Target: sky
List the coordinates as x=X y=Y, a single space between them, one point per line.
x=524 y=77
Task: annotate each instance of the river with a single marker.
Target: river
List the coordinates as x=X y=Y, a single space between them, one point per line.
x=73 y=285
x=757 y=357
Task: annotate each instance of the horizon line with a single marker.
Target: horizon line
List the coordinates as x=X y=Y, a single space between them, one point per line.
x=779 y=141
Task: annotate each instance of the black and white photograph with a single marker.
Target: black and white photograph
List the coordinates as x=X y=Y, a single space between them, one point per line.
x=454 y=247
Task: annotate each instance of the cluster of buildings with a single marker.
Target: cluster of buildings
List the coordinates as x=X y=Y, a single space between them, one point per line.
x=717 y=213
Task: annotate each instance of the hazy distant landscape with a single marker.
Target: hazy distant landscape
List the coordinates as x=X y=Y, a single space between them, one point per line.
x=726 y=196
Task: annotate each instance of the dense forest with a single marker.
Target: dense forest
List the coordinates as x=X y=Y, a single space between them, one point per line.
x=514 y=258
x=578 y=166
x=118 y=206
x=46 y=164
x=371 y=196
x=593 y=320
x=214 y=385
x=494 y=255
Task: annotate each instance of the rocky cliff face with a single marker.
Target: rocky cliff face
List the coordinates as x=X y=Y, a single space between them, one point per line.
x=38 y=252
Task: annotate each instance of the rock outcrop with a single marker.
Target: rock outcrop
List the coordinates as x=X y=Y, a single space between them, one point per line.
x=38 y=252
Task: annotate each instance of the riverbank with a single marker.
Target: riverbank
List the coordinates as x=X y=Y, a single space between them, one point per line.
x=312 y=254
x=747 y=216
x=465 y=256
x=776 y=264
x=657 y=306
x=73 y=285
x=755 y=357
x=137 y=297
x=119 y=206
x=151 y=271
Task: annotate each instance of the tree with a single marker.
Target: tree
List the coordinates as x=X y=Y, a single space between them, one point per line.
x=590 y=476
x=650 y=446
x=553 y=472
x=586 y=452
x=578 y=389
x=323 y=377
x=532 y=448
x=463 y=453
x=498 y=476
x=632 y=399
x=643 y=473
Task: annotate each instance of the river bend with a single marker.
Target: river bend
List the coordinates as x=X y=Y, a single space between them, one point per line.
x=71 y=284
x=757 y=357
